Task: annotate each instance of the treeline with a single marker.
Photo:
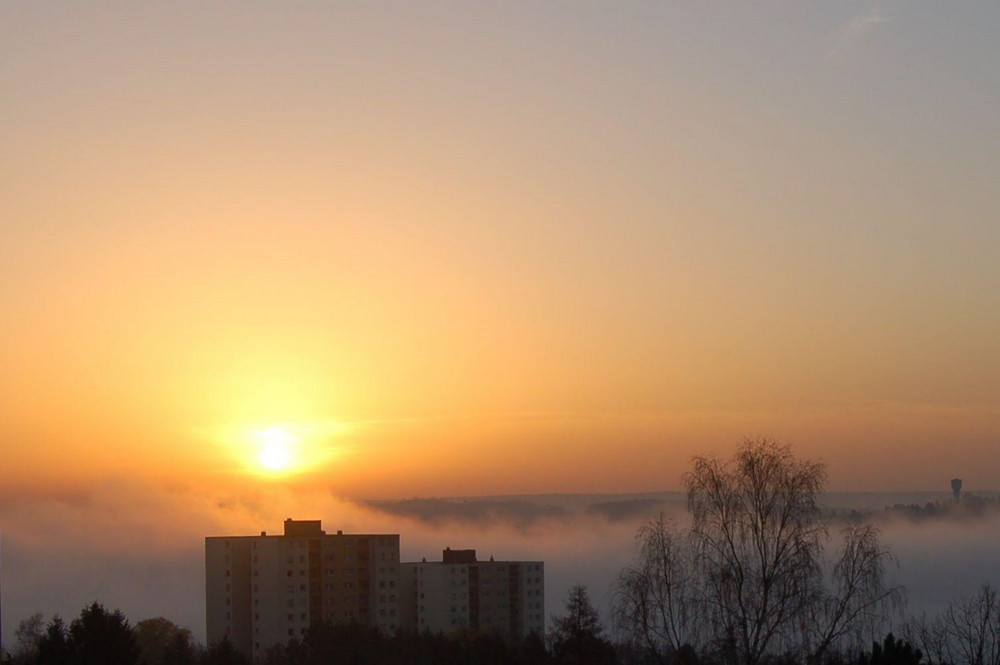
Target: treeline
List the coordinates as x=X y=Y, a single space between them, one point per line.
x=100 y=636
x=971 y=507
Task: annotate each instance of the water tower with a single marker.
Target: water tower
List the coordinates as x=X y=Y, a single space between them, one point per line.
x=956 y=489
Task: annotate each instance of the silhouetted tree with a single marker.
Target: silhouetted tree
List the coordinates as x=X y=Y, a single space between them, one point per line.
x=27 y=636
x=223 y=653
x=533 y=651
x=53 y=647
x=746 y=581
x=891 y=652
x=659 y=604
x=577 y=637
x=99 y=637
x=966 y=633
x=162 y=642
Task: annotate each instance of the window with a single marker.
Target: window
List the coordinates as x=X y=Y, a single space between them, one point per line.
x=289 y=573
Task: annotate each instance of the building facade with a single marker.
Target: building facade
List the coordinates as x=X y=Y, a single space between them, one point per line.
x=505 y=598
x=263 y=590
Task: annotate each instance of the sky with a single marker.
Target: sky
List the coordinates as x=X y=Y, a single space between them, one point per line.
x=465 y=248
x=271 y=259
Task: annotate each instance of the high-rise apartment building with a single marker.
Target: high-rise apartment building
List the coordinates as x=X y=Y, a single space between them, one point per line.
x=506 y=598
x=263 y=590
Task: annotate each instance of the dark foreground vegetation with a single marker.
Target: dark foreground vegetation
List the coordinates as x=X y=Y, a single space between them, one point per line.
x=750 y=581
x=100 y=637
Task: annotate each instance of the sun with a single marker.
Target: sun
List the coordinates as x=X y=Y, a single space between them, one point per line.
x=277 y=449
x=281 y=450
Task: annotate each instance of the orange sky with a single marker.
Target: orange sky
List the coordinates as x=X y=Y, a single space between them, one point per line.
x=468 y=250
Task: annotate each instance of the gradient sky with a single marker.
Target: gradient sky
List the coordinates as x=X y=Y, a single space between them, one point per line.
x=488 y=248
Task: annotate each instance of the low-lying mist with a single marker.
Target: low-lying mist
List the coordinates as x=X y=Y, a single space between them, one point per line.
x=141 y=548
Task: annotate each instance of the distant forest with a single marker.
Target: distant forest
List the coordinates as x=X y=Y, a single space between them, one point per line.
x=971 y=507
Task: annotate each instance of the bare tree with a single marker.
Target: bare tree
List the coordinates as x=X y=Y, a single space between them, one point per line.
x=28 y=634
x=966 y=633
x=659 y=601
x=749 y=580
x=757 y=529
x=861 y=601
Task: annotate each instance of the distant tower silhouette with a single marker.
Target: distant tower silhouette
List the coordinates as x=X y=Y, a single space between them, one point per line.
x=956 y=489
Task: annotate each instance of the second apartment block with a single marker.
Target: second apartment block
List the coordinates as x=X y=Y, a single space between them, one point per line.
x=506 y=598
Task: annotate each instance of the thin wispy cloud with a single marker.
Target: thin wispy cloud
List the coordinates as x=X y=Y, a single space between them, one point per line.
x=848 y=34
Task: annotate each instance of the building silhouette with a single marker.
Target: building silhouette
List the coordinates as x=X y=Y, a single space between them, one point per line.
x=505 y=598
x=263 y=590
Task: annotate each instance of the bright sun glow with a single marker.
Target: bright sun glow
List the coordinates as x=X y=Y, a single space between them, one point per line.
x=277 y=449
